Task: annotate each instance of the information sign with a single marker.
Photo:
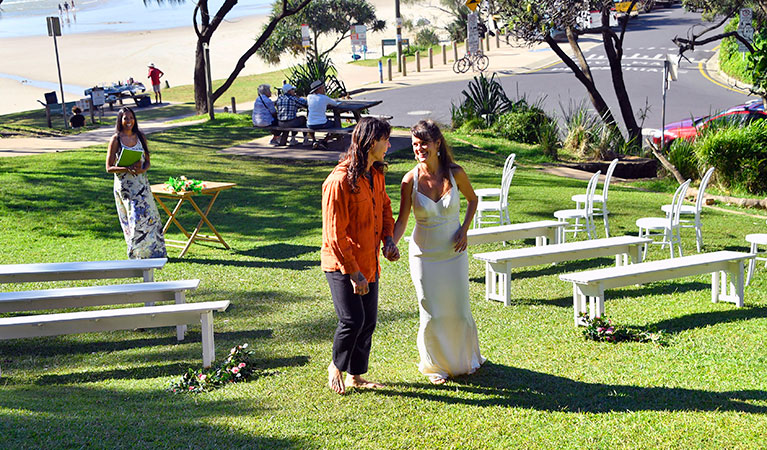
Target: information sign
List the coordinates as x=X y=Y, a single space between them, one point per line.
x=306 y=39
x=54 y=26
x=359 y=37
x=472 y=33
x=745 y=28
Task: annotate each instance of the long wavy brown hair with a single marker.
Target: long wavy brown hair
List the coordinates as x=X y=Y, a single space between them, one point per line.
x=119 y=126
x=427 y=130
x=365 y=134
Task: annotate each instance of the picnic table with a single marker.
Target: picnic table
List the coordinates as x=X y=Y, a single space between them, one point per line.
x=212 y=189
x=352 y=106
x=119 y=92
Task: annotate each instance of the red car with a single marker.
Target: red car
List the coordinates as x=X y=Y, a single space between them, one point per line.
x=688 y=129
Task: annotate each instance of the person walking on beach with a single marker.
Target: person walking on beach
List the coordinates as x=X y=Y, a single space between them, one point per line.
x=139 y=217
x=155 y=74
x=356 y=218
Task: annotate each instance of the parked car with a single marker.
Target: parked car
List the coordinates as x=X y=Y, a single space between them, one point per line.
x=688 y=129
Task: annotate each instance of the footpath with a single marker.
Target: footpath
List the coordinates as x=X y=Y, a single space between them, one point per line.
x=358 y=78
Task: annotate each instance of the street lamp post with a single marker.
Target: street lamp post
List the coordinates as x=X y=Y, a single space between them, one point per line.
x=399 y=35
x=208 y=87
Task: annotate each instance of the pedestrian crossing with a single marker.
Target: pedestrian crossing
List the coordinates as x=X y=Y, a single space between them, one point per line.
x=639 y=59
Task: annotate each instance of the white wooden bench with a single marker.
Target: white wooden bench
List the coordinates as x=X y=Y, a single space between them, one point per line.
x=591 y=285
x=118 y=319
x=544 y=229
x=498 y=264
x=128 y=268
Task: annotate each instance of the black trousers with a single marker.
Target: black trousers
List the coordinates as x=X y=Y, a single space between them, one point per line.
x=357 y=317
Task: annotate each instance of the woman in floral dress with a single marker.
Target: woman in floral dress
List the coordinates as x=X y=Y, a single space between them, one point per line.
x=138 y=213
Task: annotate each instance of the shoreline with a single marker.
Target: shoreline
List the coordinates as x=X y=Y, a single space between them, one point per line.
x=96 y=58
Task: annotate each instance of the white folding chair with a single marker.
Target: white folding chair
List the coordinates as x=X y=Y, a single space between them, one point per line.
x=600 y=200
x=586 y=214
x=496 y=211
x=755 y=240
x=668 y=227
x=489 y=194
x=694 y=210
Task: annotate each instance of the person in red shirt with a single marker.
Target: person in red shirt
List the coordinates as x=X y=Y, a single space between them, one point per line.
x=356 y=218
x=155 y=74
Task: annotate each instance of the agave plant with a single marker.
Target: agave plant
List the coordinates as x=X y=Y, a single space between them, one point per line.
x=485 y=98
x=316 y=68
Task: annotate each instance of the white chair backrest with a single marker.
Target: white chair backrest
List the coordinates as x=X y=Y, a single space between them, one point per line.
x=507 y=166
x=608 y=176
x=590 y=192
x=505 y=188
x=676 y=203
x=702 y=190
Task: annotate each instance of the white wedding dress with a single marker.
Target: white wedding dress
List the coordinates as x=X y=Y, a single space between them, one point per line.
x=447 y=337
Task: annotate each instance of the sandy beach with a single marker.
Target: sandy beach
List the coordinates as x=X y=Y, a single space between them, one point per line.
x=96 y=58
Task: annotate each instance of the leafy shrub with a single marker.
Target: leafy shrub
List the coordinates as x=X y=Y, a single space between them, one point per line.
x=316 y=68
x=682 y=155
x=587 y=135
x=548 y=138
x=426 y=37
x=483 y=99
x=730 y=60
x=521 y=126
x=739 y=155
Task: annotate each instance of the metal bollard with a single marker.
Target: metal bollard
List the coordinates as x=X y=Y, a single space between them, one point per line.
x=497 y=40
x=388 y=68
x=380 y=70
x=455 y=51
x=404 y=65
x=487 y=43
x=234 y=106
x=431 y=58
x=444 y=55
x=417 y=61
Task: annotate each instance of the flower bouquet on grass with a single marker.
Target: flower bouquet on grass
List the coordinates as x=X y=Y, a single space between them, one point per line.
x=184 y=184
x=237 y=367
x=602 y=329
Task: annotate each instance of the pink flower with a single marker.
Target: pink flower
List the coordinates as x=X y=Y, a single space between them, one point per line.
x=235 y=369
x=191 y=388
x=241 y=365
x=600 y=329
x=202 y=376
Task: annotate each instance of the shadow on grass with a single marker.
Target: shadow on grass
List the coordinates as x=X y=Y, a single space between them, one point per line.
x=263 y=368
x=278 y=251
x=496 y=386
x=290 y=265
x=86 y=416
x=707 y=319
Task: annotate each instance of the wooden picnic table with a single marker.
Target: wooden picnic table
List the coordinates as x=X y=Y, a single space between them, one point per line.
x=211 y=188
x=353 y=106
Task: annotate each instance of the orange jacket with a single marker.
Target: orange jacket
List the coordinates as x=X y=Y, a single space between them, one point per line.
x=354 y=223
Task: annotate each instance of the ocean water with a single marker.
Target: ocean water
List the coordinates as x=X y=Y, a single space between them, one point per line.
x=20 y=18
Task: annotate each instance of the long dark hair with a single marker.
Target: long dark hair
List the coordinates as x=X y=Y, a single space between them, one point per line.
x=119 y=126
x=427 y=130
x=365 y=134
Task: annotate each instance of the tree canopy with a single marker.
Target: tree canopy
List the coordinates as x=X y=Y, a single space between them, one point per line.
x=324 y=17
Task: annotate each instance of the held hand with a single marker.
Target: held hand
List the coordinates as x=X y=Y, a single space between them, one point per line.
x=391 y=252
x=461 y=241
x=135 y=168
x=360 y=283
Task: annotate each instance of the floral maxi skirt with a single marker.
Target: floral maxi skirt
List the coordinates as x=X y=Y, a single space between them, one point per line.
x=139 y=218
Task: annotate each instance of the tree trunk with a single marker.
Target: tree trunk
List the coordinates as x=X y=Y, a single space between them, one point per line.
x=619 y=85
x=200 y=83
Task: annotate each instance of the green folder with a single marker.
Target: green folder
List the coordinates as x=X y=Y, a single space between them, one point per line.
x=128 y=157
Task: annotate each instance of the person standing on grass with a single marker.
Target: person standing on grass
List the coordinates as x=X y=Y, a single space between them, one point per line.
x=154 y=75
x=356 y=218
x=139 y=218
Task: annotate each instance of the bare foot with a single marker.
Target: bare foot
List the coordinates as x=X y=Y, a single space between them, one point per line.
x=437 y=379
x=359 y=382
x=335 y=380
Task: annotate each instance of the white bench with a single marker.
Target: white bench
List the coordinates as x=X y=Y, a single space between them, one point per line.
x=591 y=285
x=118 y=319
x=544 y=229
x=128 y=268
x=498 y=264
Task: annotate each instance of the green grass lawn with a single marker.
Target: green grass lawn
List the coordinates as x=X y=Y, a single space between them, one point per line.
x=542 y=387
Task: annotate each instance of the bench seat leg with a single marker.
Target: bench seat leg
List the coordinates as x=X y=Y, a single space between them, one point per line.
x=730 y=290
x=498 y=282
x=579 y=305
x=208 y=348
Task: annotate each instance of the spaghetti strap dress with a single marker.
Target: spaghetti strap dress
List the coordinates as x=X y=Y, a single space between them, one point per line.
x=447 y=337
x=139 y=217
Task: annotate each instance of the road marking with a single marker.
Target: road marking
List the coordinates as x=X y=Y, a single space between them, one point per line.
x=418 y=113
x=706 y=76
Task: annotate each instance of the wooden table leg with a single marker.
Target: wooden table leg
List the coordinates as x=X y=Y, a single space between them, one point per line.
x=203 y=219
x=172 y=216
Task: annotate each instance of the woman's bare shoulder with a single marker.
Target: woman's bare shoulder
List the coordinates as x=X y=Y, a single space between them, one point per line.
x=409 y=176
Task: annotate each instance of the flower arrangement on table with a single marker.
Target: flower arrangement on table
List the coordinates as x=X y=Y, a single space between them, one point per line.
x=236 y=368
x=184 y=184
x=602 y=329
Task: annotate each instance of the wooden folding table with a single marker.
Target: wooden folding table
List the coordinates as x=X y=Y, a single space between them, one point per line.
x=211 y=188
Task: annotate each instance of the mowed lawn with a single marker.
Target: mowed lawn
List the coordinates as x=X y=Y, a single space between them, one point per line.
x=543 y=386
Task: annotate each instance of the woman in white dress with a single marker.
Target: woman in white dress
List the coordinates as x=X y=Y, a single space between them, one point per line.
x=439 y=265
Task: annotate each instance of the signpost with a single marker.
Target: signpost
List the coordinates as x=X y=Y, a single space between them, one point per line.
x=306 y=39
x=669 y=74
x=359 y=38
x=54 y=29
x=472 y=34
x=472 y=4
x=745 y=28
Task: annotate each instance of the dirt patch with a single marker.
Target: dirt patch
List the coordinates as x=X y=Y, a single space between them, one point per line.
x=628 y=167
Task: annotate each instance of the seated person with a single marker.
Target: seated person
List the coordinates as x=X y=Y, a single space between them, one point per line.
x=318 y=104
x=287 y=110
x=78 y=119
x=264 y=112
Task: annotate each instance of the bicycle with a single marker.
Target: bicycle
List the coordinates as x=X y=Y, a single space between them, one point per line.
x=478 y=61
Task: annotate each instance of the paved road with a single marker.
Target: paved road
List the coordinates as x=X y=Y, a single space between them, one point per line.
x=648 y=40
